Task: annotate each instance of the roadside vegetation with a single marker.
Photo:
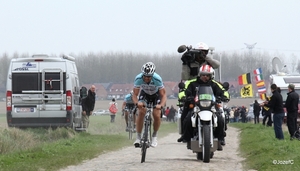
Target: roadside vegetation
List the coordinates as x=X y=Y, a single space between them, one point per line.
x=262 y=151
x=52 y=149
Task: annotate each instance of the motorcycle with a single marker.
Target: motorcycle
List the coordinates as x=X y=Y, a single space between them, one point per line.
x=204 y=120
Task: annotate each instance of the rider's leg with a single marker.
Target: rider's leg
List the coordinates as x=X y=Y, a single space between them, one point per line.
x=182 y=118
x=126 y=119
x=140 y=121
x=156 y=123
x=219 y=131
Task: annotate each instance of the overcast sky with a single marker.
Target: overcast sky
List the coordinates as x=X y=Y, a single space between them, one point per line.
x=151 y=26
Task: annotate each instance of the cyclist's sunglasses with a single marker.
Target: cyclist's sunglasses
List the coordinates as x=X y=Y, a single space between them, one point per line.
x=207 y=75
x=147 y=76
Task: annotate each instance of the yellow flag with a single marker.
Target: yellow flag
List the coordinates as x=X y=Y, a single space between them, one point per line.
x=247 y=91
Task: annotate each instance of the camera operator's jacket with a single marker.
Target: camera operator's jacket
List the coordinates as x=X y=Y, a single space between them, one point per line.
x=218 y=91
x=190 y=70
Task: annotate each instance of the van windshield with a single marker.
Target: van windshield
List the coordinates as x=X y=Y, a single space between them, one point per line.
x=33 y=82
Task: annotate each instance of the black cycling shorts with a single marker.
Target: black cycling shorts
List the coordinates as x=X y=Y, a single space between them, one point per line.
x=154 y=99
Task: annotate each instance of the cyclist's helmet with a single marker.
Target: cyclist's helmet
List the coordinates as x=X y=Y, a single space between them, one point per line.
x=148 y=69
x=207 y=69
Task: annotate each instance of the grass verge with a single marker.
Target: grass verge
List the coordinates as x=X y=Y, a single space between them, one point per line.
x=49 y=155
x=264 y=152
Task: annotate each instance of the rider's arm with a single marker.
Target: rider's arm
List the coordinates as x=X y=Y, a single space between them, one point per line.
x=123 y=105
x=135 y=95
x=163 y=95
x=219 y=91
x=214 y=63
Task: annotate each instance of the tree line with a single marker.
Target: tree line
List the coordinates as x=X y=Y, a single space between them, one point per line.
x=122 y=67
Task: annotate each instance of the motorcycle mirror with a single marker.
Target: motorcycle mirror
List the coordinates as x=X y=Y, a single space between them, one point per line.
x=181 y=49
x=181 y=85
x=188 y=93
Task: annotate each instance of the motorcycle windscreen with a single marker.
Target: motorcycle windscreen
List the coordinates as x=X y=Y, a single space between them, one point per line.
x=206 y=93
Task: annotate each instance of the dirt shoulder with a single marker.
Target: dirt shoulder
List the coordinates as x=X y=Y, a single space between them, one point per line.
x=168 y=155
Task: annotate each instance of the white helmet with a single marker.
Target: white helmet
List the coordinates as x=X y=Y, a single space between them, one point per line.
x=207 y=69
x=201 y=46
x=148 y=69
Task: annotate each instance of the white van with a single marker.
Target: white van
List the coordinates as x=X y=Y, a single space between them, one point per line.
x=43 y=91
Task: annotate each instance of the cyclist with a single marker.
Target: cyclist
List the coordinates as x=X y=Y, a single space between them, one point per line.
x=148 y=86
x=206 y=75
x=128 y=104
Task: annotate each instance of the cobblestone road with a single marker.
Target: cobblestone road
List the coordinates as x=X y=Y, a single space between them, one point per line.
x=168 y=155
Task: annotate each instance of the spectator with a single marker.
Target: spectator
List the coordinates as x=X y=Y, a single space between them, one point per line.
x=256 y=111
x=243 y=114
x=231 y=115
x=172 y=113
x=88 y=105
x=167 y=111
x=291 y=105
x=276 y=105
x=113 y=113
x=237 y=114
x=267 y=113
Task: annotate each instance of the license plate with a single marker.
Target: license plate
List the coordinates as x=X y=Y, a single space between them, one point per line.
x=24 y=110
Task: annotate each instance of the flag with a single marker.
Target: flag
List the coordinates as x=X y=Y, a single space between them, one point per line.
x=258 y=71
x=263 y=96
x=259 y=77
x=262 y=89
x=260 y=84
x=244 y=79
x=247 y=91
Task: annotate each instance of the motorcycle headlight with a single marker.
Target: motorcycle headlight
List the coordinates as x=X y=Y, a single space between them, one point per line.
x=205 y=103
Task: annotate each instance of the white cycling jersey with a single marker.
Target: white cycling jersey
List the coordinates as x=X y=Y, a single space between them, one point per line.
x=151 y=88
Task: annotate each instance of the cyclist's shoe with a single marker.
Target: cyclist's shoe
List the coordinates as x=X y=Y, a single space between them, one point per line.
x=127 y=129
x=137 y=143
x=154 y=142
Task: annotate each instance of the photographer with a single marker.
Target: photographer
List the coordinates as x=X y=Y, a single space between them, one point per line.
x=194 y=58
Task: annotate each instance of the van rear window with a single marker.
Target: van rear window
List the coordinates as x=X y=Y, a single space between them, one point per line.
x=33 y=82
x=25 y=81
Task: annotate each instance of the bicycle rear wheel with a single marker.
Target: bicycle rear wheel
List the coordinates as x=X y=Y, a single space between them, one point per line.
x=130 y=126
x=144 y=143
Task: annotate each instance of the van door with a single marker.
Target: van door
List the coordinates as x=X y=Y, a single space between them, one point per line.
x=25 y=82
x=53 y=88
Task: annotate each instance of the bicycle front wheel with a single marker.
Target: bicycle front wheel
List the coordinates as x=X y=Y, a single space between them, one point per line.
x=144 y=143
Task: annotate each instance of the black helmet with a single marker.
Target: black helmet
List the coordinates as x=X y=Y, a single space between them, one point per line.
x=226 y=85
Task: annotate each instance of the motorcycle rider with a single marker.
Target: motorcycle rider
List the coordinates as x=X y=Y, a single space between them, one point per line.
x=206 y=75
x=190 y=70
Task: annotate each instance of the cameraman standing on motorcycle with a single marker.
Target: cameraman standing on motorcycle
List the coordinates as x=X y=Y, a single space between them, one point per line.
x=206 y=75
x=192 y=60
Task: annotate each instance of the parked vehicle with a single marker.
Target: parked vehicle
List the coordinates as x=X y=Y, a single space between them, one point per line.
x=43 y=91
x=101 y=112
